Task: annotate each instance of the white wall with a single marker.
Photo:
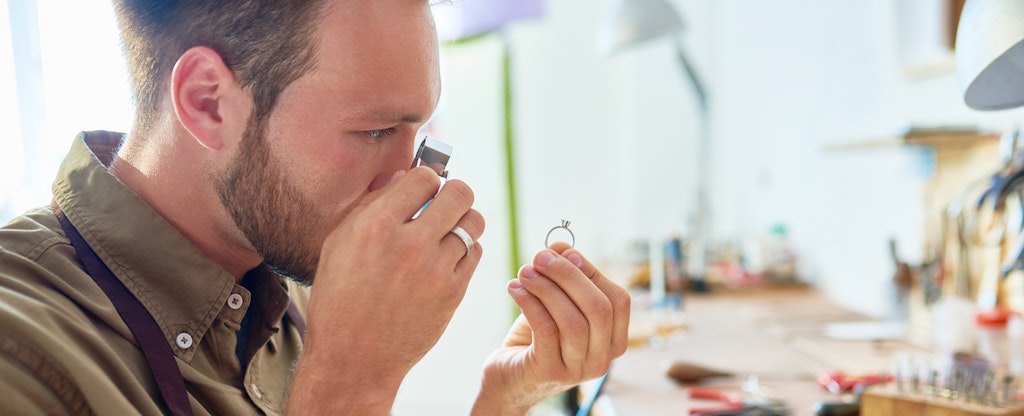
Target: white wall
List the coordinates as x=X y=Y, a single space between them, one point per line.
x=796 y=76
x=79 y=85
x=612 y=141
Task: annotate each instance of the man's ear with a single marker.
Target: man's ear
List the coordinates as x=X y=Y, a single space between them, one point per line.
x=201 y=86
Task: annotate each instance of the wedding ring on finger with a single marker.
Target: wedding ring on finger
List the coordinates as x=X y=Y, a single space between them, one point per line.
x=565 y=226
x=466 y=239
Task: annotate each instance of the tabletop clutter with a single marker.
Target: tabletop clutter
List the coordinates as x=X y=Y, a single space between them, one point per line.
x=970 y=286
x=973 y=290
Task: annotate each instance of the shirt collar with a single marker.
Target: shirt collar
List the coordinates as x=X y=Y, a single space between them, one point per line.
x=178 y=284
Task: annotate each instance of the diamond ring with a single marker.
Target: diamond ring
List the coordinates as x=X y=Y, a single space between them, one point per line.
x=565 y=226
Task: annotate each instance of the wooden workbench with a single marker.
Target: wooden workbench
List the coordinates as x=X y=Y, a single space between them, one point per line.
x=774 y=334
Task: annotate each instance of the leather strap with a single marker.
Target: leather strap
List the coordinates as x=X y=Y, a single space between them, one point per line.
x=151 y=339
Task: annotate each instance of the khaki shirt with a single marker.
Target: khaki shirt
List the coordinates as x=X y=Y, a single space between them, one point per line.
x=65 y=350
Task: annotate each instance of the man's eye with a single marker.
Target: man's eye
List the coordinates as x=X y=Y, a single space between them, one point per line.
x=380 y=134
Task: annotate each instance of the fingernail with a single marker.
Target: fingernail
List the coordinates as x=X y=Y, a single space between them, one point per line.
x=545 y=258
x=575 y=259
x=528 y=272
x=515 y=284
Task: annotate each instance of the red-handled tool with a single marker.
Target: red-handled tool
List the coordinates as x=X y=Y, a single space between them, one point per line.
x=841 y=382
x=730 y=401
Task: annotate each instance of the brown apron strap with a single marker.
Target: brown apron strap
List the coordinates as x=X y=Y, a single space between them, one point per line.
x=151 y=339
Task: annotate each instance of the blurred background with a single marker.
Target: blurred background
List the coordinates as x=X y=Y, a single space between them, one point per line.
x=807 y=139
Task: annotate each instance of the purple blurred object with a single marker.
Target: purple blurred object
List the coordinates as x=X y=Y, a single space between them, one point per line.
x=465 y=18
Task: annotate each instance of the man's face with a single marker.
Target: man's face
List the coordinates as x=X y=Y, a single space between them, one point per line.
x=352 y=119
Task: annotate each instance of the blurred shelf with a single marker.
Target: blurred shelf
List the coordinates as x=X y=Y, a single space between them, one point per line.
x=944 y=66
x=938 y=136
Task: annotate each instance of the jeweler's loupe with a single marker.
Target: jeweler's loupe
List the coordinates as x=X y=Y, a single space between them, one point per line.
x=434 y=154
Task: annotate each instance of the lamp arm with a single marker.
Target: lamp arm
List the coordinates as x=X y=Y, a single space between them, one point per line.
x=697 y=266
x=691 y=74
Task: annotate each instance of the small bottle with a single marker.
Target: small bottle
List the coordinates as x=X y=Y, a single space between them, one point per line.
x=1015 y=333
x=993 y=342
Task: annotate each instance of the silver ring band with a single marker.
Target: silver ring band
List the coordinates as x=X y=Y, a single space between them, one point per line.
x=565 y=225
x=466 y=239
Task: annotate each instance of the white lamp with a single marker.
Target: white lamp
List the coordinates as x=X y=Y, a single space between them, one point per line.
x=635 y=21
x=990 y=54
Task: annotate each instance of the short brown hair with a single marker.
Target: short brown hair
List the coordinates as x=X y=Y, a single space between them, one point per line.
x=268 y=44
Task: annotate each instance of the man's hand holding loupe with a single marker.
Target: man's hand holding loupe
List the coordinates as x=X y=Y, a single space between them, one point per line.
x=386 y=288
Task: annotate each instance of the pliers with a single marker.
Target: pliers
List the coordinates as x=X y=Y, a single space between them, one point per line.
x=734 y=405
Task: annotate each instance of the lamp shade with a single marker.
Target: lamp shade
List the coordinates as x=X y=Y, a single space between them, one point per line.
x=990 y=54
x=634 y=21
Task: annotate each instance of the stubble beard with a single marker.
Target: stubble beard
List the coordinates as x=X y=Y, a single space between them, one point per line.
x=269 y=209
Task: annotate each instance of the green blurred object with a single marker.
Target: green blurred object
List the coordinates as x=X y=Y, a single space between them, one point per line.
x=508 y=145
x=480 y=19
x=510 y=164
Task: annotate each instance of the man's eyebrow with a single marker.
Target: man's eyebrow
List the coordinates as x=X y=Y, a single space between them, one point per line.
x=386 y=117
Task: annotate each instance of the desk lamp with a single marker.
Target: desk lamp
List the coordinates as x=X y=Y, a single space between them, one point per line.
x=632 y=22
x=990 y=54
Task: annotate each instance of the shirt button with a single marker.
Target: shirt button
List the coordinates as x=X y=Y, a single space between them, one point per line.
x=184 y=340
x=235 y=301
